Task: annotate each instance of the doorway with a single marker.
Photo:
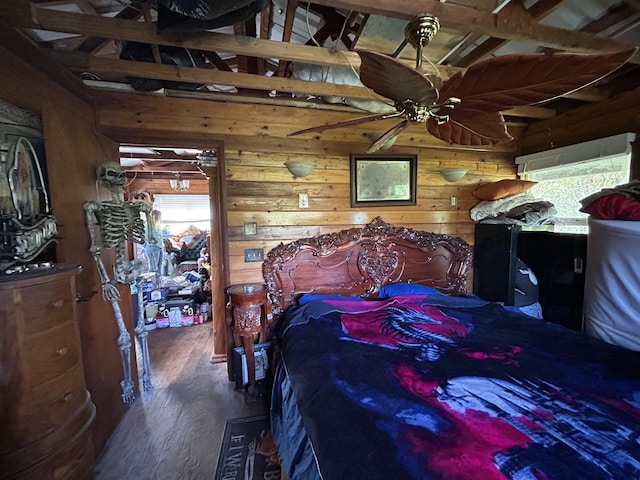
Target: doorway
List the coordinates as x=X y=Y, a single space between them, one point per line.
x=182 y=169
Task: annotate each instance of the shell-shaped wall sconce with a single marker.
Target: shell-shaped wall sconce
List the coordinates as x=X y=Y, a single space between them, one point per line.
x=300 y=169
x=453 y=174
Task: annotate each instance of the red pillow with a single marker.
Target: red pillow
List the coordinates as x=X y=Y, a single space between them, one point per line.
x=614 y=207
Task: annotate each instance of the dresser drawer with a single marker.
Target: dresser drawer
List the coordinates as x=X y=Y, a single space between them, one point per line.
x=45 y=410
x=49 y=403
x=46 y=355
x=64 y=451
x=44 y=306
x=75 y=462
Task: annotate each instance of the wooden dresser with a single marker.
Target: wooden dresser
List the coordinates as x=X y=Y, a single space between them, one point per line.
x=45 y=410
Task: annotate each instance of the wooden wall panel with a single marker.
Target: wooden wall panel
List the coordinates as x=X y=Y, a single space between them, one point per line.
x=121 y=115
x=73 y=148
x=260 y=189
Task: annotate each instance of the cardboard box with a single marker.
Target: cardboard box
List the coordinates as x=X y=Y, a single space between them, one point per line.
x=158 y=295
x=261 y=353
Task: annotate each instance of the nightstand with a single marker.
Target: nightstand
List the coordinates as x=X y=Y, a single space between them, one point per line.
x=248 y=316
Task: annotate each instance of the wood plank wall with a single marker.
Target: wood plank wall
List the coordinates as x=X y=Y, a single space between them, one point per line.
x=74 y=148
x=260 y=189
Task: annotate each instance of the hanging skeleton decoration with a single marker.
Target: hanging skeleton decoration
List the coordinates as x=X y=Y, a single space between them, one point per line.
x=119 y=221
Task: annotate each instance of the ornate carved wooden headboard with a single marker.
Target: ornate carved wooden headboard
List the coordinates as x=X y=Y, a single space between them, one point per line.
x=359 y=261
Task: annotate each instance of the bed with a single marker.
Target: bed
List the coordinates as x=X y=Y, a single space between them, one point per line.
x=386 y=368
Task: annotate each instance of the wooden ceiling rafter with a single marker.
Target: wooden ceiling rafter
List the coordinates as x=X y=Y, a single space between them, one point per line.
x=263 y=32
x=167 y=167
x=290 y=15
x=499 y=24
x=162 y=156
x=537 y=11
x=248 y=81
x=210 y=41
x=136 y=174
x=32 y=16
x=251 y=51
x=94 y=44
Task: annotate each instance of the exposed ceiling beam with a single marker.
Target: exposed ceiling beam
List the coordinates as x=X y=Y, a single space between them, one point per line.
x=290 y=15
x=32 y=16
x=102 y=65
x=538 y=11
x=522 y=28
x=105 y=66
x=25 y=15
x=93 y=44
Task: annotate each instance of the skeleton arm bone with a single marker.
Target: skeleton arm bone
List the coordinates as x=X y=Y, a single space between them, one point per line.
x=109 y=291
x=147 y=214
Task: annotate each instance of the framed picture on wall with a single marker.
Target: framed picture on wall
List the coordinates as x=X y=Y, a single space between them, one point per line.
x=383 y=180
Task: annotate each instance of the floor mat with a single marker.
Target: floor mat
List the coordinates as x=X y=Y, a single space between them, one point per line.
x=247 y=451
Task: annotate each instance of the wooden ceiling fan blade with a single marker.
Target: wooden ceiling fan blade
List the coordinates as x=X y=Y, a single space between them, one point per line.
x=514 y=80
x=474 y=128
x=394 y=80
x=347 y=123
x=389 y=137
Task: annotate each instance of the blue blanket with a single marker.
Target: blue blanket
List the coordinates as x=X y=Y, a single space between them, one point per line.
x=439 y=387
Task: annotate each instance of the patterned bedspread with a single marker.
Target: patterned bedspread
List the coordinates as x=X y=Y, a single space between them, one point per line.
x=438 y=387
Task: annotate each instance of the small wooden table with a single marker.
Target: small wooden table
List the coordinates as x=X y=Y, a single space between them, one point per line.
x=248 y=317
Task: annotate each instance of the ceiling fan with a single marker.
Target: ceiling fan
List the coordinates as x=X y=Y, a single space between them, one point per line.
x=474 y=99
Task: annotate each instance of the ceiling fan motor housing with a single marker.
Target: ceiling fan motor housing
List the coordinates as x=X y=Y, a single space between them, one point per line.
x=421 y=30
x=413 y=111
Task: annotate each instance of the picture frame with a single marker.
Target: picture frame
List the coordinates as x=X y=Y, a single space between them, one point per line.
x=383 y=180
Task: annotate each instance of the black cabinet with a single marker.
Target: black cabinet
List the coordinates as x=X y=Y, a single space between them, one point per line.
x=556 y=259
x=495 y=254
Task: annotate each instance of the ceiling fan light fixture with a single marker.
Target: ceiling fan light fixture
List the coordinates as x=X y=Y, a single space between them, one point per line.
x=179 y=184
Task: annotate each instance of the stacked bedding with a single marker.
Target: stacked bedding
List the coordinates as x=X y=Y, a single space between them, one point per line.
x=511 y=202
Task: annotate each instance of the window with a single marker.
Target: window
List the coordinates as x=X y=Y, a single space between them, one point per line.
x=567 y=175
x=181 y=211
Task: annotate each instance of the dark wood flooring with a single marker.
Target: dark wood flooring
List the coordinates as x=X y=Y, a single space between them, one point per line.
x=176 y=434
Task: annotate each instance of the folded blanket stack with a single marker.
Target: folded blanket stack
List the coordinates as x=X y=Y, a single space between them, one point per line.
x=509 y=201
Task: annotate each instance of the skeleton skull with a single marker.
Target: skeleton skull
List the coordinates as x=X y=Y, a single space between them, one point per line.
x=111 y=176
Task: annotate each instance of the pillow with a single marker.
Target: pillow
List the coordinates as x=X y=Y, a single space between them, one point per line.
x=393 y=289
x=502 y=189
x=310 y=297
x=614 y=207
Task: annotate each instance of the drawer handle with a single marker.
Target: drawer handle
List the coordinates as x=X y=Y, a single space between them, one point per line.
x=57 y=303
x=62 y=351
x=67 y=397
